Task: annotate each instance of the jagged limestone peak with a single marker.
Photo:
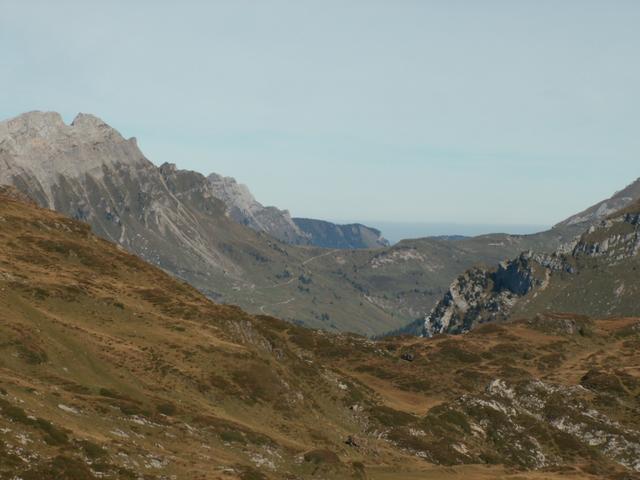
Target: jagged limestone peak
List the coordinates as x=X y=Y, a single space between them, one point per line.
x=31 y=124
x=245 y=209
x=88 y=119
x=94 y=127
x=50 y=126
x=40 y=146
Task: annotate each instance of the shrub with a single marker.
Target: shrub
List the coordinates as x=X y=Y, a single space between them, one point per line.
x=167 y=408
x=91 y=450
x=53 y=435
x=390 y=417
x=60 y=468
x=321 y=456
x=602 y=382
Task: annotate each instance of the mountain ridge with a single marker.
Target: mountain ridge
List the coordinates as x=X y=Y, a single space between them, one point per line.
x=174 y=219
x=346 y=236
x=171 y=218
x=246 y=210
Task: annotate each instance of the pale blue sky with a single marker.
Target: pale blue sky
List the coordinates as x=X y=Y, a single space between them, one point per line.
x=500 y=112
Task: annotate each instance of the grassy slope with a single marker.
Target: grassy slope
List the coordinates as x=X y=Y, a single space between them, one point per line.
x=396 y=285
x=601 y=287
x=109 y=365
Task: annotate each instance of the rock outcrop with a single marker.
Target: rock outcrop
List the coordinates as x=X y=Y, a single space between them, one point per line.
x=484 y=294
x=526 y=413
x=349 y=236
x=246 y=210
x=615 y=239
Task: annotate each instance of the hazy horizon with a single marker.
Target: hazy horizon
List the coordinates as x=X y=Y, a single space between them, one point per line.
x=396 y=231
x=473 y=113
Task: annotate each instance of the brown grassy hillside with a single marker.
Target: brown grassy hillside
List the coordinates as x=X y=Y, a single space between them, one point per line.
x=109 y=368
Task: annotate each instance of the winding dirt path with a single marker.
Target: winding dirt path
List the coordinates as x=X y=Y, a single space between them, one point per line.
x=291 y=280
x=321 y=255
x=278 y=303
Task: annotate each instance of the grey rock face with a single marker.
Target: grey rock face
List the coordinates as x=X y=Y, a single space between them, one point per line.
x=30 y=147
x=246 y=210
x=613 y=239
x=481 y=295
x=350 y=236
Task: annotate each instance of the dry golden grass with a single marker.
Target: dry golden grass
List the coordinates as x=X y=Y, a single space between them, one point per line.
x=109 y=362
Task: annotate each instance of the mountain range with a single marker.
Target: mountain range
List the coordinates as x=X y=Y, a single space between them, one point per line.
x=173 y=218
x=211 y=232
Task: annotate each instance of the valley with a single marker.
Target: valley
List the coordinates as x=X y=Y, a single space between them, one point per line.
x=284 y=240
x=110 y=368
x=178 y=221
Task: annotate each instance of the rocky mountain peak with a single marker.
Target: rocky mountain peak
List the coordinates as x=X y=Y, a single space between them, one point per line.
x=246 y=210
x=87 y=119
x=168 y=167
x=91 y=126
x=28 y=127
x=38 y=148
x=35 y=122
x=95 y=128
x=34 y=128
x=234 y=193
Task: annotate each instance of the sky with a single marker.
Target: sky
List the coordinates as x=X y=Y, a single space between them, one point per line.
x=508 y=113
